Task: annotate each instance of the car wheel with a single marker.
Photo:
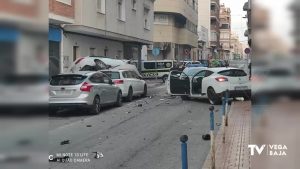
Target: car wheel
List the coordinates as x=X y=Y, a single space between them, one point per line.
x=96 y=107
x=213 y=98
x=52 y=111
x=119 y=99
x=185 y=98
x=145 y=91
x=247 y=96
x=130 y=95
x=164 y=78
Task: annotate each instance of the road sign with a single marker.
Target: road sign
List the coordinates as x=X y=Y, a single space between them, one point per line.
x=247 y=50
x=155 y=51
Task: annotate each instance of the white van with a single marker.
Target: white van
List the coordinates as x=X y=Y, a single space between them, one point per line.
x=156 y=69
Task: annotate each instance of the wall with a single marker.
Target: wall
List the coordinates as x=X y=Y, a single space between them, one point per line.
x=85 y=43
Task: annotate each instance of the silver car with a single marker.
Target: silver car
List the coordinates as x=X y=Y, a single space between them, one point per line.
x=90 y=90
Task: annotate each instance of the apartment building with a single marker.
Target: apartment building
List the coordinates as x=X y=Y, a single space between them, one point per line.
x=215 y=28
x=60 y=12
x=236 y=50
x=203 y=26
x=111 y=28
x=23 y=36
x=225 y=32
x=175 y=29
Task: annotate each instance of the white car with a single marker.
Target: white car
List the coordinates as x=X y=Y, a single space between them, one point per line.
x=210 y=83
x=129 y=82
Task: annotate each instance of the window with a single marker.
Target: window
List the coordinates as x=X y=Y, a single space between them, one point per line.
x=161 y=19
x=68 y=2
x=121 y=10
x=213 y=36
x=62 y=80
x=146 y=18
x=113 y=75
x=133 y=3
x=92 y=51
x=101 y=6
x=149 y=65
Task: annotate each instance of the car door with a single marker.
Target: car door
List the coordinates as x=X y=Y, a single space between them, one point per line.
x=138 y=82
x=112 y=91
x=197 y=82
x=99 y=88
x=179 y=83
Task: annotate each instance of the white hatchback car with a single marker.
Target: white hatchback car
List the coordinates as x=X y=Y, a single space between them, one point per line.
x=129 y=82
x=210 y=83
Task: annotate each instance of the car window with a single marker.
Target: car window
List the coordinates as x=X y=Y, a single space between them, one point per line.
x=201 y=73
x=208 y=73
x=106 y=79
x=127 y=74
x=134 y=75
x=97 y=78
x=61 y=80
x=112 y=75
x=233 y=73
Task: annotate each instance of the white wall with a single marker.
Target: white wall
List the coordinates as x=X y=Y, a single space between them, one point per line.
x=85 y=43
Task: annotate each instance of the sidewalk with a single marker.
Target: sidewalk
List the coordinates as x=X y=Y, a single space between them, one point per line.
x=234 y=152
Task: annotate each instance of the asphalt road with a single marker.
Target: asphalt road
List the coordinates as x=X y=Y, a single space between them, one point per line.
x=143 y=134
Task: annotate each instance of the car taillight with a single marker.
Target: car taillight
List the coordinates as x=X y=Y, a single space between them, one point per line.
x=118 y=81
x=86 y=87
x=221 y=79
x=80 y=59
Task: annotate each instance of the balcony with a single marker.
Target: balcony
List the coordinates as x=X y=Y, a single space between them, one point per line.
x=216 y=2
x=214 y=14
x=178 y=7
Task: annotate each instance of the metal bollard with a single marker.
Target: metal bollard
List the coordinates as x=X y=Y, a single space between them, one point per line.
x=223 y=118
x=184 y=156
x=212 y=138
x=226 y=107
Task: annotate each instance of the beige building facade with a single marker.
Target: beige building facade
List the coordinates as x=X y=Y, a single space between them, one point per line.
x=225 y=32
x=109 y=28
x=175 y=30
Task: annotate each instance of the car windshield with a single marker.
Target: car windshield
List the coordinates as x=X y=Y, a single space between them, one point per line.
x=61 y=80
x=112 y=75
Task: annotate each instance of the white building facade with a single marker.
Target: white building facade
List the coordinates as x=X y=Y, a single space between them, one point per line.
x=110 y=28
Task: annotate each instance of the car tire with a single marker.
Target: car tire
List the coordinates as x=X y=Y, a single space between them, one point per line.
x=185 y=98
x=247 y=96
x=119 y=100
x=52 y=111
x=145 y=91
x=130 y=94
x=164 y=78
x=96 y=107
x=213 y=98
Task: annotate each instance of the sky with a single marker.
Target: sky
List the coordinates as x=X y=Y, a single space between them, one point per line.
x=238 y=23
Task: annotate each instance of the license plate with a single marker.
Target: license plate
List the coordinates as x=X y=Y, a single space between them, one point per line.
x=241 y=88
x=65 y=92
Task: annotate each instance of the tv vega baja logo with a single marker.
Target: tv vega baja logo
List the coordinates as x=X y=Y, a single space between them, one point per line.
x=270 y=149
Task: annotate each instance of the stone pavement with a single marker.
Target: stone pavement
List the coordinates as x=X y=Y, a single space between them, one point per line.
x=234 y=152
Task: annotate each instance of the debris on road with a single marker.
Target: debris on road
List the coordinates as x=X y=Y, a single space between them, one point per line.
x=206 y=137
x=88 y=125
x=65 y=142
x=140 y=105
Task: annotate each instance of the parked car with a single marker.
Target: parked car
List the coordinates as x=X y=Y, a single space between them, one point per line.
x=210 y=83
x=89 y=90
x=129 y=82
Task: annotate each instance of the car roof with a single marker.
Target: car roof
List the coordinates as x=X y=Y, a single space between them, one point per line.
x=218 y=69
x=87 y=73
